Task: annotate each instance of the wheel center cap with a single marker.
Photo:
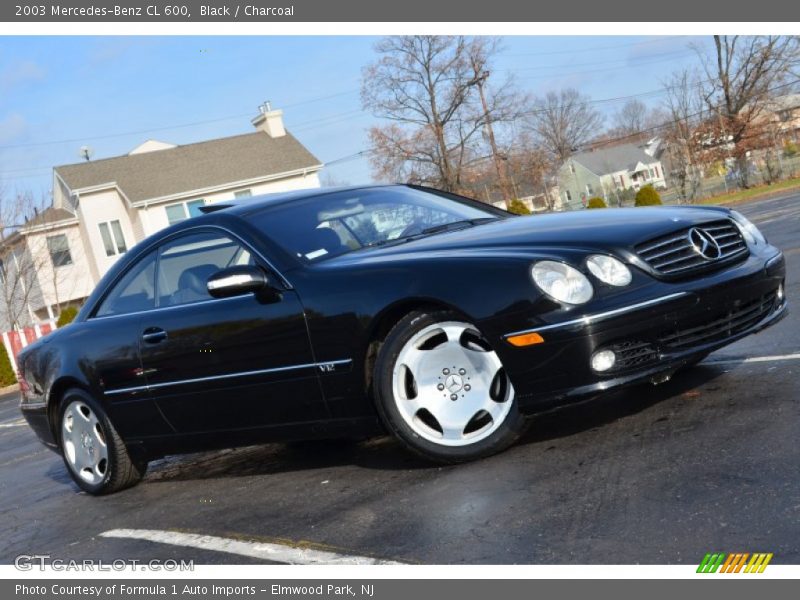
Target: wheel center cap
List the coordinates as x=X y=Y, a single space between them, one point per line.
x=454 y=383
x=86 y=441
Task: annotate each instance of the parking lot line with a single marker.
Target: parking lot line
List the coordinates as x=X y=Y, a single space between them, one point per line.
x=276 y=552
x=17 y=423
x=753 y=359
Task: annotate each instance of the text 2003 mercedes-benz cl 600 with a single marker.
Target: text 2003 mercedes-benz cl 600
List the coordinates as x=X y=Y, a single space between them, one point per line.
x=337 y=312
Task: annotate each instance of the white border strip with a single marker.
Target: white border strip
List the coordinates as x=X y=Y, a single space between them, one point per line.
x=753 y=359
x=297 y=28
x=281 y=553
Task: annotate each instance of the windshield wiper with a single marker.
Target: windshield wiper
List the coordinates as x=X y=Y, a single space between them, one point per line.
x=457 y=225
x=452 y=226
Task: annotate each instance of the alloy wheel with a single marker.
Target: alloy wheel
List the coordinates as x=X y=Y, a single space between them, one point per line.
x=449 y=385
x=84 y=443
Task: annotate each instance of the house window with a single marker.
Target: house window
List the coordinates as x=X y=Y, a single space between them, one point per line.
x=59 y=250
x=243 y=194
x=184 y=210
x=572 y=167
x=113 y=240
x=589 y=189
x=657 y=173
x=569 y=196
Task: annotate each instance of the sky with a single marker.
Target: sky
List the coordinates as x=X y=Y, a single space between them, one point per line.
x=58 y=94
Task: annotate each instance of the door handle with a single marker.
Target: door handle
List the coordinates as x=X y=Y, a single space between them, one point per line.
x=154 y=335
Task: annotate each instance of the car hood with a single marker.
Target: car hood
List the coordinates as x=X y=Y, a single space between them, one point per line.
x=602 y=229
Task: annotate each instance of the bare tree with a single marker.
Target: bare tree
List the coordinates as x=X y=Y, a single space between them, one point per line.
x=684 y=105
x=740 y=76
x=499 y=105
x=563 y=122
x=424 y=85
x=632 y=119
x=18 y=269
x=28 y=274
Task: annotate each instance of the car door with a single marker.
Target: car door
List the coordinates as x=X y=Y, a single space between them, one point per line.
x=225 y=364
x=109 y=341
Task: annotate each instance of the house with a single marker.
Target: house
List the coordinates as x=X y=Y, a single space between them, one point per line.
x=607 y=171
x=784 y=115
x=101 y=208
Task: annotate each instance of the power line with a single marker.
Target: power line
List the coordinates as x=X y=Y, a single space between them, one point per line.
x=167 y=127
x=604 y=142
x=345 y=116
x=300 y=103
x=290 y=105
x=625 y=61
x=598 y=48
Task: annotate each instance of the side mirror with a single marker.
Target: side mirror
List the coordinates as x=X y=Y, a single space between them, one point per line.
x=236 y=281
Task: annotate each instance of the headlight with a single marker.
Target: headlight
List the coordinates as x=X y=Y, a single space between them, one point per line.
x=562 y=282
x=750 y=232
x=609 y=270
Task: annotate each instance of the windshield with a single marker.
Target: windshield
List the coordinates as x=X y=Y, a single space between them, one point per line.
x=320 y=227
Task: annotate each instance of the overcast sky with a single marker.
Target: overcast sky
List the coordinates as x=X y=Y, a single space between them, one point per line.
x=112 y=93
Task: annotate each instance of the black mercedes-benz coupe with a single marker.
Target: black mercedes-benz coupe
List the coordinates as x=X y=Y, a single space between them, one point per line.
x=344 y=312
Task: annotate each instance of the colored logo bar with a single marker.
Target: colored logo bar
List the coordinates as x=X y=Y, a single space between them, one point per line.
x=740 y=562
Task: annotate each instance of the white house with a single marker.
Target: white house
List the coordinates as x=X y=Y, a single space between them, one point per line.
x=103 y=207
x=605 y=171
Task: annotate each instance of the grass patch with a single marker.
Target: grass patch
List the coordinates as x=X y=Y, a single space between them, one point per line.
x=753 y=193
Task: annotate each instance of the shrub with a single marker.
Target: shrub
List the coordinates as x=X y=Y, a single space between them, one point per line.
x=647 y=196
x=790 y=149
x=596 y=202
x=7 y=376
x=67 y=316
x=518 y=207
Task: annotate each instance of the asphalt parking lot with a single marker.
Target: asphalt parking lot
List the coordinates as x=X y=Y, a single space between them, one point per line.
x=709 y=461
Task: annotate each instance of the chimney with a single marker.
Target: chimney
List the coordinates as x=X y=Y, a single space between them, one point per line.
x=269 y=121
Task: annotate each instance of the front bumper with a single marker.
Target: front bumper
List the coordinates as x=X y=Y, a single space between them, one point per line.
x=657 y=334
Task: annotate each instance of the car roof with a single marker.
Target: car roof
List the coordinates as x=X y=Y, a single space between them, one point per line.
x=246 y=206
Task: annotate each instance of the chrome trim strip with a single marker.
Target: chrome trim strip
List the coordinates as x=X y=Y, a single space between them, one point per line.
x=173 y=307
x=138 y=388
x=600 y=316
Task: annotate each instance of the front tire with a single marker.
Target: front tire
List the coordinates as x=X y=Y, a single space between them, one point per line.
x=442 y=390
x=94 y=454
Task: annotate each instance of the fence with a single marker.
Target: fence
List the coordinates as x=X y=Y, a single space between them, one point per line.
x=16 y=340
x=785 y=168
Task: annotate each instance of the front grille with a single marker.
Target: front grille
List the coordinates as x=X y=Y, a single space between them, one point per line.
x=724 y=325
x=675 y=254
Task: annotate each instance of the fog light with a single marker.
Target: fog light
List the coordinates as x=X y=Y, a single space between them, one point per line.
x=603 y=360
x=780 y=292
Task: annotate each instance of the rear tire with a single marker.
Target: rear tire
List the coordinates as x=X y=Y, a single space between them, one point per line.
x=441 y=390
x=95 y=456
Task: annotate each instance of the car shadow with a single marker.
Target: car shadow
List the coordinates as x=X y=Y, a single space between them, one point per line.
x=596 y=411
x=385 y=453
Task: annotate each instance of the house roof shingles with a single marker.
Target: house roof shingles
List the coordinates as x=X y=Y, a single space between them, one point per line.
x=624 y=157
x=193 y=166
x=50 y=216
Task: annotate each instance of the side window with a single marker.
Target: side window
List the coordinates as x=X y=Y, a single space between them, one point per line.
x=134 y=292
x=113 y=240
x=185 y=264
x=59 y=250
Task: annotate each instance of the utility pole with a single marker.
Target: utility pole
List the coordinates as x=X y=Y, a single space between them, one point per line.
x=499 y=166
